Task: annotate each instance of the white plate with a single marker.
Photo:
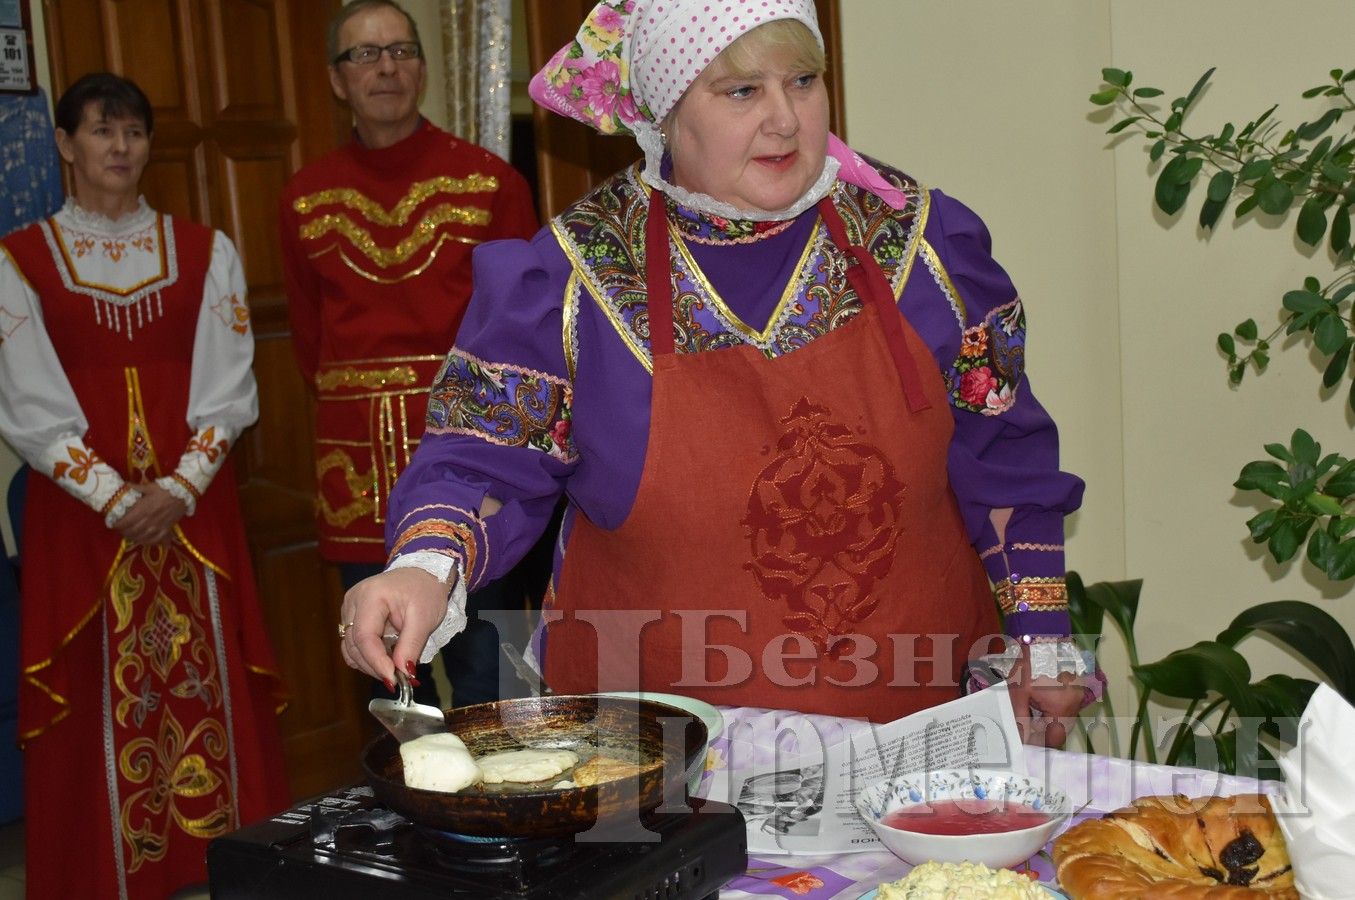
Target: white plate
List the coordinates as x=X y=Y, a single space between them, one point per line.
x=715 y=723
x=873 y=892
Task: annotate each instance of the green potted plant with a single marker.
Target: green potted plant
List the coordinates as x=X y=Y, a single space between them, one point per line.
x=1308 y=495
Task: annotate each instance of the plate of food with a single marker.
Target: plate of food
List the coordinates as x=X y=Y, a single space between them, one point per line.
x=934 y=879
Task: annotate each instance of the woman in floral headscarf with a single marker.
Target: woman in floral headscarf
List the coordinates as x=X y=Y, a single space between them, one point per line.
x=782 y=388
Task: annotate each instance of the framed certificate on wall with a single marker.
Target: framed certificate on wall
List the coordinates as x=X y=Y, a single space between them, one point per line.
x=16 y=48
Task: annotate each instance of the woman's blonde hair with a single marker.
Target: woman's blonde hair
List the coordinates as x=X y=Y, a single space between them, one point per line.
x=744 y=56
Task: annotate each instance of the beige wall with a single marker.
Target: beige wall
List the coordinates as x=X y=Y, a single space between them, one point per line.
x=988 y=100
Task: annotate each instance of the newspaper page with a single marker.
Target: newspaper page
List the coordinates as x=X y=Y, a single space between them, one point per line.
x=795 y=777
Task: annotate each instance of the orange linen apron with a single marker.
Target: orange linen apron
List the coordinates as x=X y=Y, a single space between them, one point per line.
x=794 y=541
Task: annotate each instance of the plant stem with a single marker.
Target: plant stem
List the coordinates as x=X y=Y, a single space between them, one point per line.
x=1144 y=726
x=1180 y=740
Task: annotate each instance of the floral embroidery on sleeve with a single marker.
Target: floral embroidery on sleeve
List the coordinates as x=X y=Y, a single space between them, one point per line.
x=9 y=323
x=984 y=377
x=502 y=404
x=233 y=313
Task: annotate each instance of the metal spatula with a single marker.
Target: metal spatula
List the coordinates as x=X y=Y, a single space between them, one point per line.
x=403 y=717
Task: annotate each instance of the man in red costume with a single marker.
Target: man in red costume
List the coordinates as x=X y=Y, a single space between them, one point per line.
x=377 y=239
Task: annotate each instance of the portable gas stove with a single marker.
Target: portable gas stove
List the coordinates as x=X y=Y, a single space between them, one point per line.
x=346 y=845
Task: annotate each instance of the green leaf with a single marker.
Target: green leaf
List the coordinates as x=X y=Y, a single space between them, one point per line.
x=1323 y=505
x=1122 y=124
x=1275 y=198
x=1304 y=448
x=1309 y=631
x=1350 y=401
x=1280 y=452
x=1336 y=369
x=1303 y=301
x=1261 y=359
x=1104 y=98
x=1340 y=227
x=1146 y=93
x=1341 y=565
x=1247 y=330
x=1088 y=618
x=1311 y=130
x=1342 y=527
x=1119 y=600
x=1262 y=524
x=1171 y=194
x=1330 y=334
x=1155 y=153
x=1227 y=345
x=1312 y=221
x=1221 y=186
x=1199 y=86
x=1320 y=547
x=1196 y=672
x=1210 y=211
x=1283 y=696
x=1117 y=77
x=1285 y=540
x=1255 y=474
x=1255 y=169
x=1342 y=481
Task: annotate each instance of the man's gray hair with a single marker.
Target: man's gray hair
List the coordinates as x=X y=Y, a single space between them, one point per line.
x=349 y=10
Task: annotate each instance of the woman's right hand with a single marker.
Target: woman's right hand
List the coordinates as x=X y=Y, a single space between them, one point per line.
x=408 y=602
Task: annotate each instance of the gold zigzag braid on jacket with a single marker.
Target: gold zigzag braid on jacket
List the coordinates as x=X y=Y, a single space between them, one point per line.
x=399 y=213
x=422 y=234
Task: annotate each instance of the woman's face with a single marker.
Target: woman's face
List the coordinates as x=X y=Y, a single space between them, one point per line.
x=107 y=154
x=757 y=142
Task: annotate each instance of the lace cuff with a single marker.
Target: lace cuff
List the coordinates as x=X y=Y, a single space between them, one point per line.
x=1048 y=659
x=117 y=506
x=177 y=489
x=441 y=567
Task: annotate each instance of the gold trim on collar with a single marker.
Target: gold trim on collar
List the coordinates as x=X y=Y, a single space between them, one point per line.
x=161 y=276
x=758 y=337
x=914 y=240
x=626 y=335
x=398 y=214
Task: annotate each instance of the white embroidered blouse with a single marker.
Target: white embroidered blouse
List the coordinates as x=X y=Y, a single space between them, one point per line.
x=40 y=415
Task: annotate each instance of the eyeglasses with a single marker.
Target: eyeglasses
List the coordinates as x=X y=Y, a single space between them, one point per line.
x=366 y=54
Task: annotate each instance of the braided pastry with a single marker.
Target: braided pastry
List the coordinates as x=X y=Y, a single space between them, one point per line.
x=1219 y=848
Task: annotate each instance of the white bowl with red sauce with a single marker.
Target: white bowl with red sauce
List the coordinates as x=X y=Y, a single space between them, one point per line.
x=990 y=816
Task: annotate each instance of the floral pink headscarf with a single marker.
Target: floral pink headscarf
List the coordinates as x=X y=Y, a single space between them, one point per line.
x=632 y=60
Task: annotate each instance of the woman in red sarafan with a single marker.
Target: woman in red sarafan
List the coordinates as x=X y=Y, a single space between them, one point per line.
x=148 y=692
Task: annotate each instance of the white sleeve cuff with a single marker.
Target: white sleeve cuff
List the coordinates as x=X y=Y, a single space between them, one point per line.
x=179 y=492
x=125 y=502
x=1048 y=659
x=441 y=567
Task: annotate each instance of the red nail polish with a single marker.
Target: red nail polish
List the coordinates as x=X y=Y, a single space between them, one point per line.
x=390 y=685
x=409 y=667
x=413 y=682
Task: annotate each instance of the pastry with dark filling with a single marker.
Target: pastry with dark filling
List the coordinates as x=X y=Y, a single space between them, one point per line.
x=1214 y=848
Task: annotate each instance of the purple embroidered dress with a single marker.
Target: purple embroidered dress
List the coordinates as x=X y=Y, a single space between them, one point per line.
x=547 y=390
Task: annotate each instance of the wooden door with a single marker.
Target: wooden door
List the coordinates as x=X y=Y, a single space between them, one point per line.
x=571 y=157
x=241 y=101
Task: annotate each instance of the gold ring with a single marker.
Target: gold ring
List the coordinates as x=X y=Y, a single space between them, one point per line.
x=343 y=629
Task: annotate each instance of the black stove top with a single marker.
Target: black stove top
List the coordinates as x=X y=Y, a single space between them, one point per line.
x=346 y=845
